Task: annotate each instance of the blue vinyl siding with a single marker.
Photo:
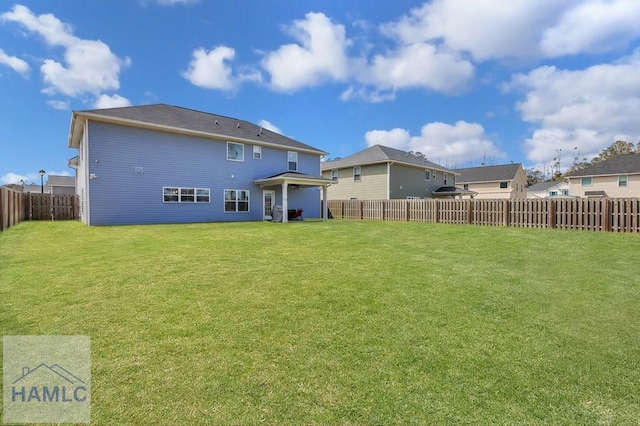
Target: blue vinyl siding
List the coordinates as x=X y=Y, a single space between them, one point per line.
x=119 y=195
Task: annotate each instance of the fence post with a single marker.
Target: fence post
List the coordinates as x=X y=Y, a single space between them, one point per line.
x=437 y=211
x=505 y=213
x=552 y=213
x=470 y=212
x=606 y=220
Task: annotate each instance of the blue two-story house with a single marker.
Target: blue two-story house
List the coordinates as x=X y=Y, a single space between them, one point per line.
x=167 y=164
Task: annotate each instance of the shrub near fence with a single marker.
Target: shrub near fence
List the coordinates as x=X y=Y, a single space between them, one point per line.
x=16 y=207
x=594 y=214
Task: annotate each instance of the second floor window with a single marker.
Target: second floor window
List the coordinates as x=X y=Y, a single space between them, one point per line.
x=504 y=184
x=235 y=151
x=357 y=173
x=293 y=161
x=334 y=175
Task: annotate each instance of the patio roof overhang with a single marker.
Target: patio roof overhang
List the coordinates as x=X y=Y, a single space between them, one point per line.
x=287 y=179
x=293 y=178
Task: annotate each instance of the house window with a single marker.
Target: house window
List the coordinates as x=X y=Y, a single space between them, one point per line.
x=334 y=175
x=445 y=179
x=434 y=175
x=565 y=192
x=202 y=195
x=623 y=180
x=235 y=151
x=293 y=161
x=466 y=186
x=427 y=175
x=586 y=181
x=357 y=173
x=553 y=193
x=504 y=184
x=257 y=152
x=236 y=201
x=185 y=195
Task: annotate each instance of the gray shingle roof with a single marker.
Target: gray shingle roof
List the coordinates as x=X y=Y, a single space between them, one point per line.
x=57 y=180
x=501 y=172
x=188 y=119
x=621 y=164
x=543 y=186
x=381 y=154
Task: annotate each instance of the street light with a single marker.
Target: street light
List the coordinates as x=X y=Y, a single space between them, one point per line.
x=42 y=172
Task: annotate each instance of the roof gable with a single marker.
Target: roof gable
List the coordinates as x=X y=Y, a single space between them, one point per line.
x=381 y=154
x=620 y=164
x=543 y=186
x=502 y=172
x=168 y=117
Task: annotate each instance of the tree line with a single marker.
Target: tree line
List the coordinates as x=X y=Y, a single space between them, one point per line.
x=617 y=148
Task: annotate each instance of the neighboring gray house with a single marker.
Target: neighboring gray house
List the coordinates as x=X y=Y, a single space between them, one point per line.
x=501 y=181
x=383 y=173
x=167 y=164
x=548 y=189
x=57 y=184
x=616 y=177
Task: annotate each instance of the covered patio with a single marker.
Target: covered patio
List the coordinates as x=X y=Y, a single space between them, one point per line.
x=295 y=179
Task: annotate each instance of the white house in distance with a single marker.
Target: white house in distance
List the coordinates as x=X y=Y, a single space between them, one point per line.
x=548 y=189
x=616 y=177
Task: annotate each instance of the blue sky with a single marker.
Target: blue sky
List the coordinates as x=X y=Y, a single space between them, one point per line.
x=460 y=81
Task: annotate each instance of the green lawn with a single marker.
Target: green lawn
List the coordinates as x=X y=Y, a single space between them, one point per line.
x=336 y=322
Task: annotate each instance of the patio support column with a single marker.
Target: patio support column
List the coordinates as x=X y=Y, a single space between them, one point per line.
x=325 y=204
x=285 y=202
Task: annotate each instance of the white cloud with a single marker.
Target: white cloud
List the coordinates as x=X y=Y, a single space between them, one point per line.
x=496 y=29
x=440 y=142
x=486 y=29
x=113 y=101
x=593 y=26
x=15 y=178
x=90 y=66
x=587 y=108
x=420 y=65
x=320 y=56
x=210 y=69
x=59 y=105
x=269 y=126
x=394 y=138
x=18 y=65
x=173 y=2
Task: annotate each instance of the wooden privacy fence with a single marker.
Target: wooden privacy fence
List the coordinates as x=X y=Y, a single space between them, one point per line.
x=16 y=207
x=601 y=214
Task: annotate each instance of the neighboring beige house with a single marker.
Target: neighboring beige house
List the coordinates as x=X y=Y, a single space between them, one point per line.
x=616 y=177
x=548 y=189
x=502 y=181
x=383 y=173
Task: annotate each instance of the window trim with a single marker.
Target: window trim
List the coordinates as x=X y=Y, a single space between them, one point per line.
x=505 y=183
x=584 y=179
x=334 y=175
x=620 y=181
x=289 y=153
x=427 y=176
x=357 y=177
x=229 y=144
x=179 y=195
x=444 y=179
x=236 y=201
x=257 y=149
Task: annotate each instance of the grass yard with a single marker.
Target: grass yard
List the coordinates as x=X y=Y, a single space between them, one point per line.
x=338 y=322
